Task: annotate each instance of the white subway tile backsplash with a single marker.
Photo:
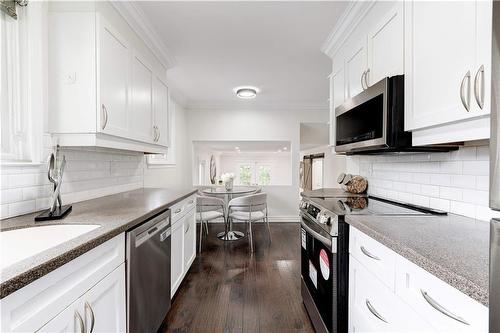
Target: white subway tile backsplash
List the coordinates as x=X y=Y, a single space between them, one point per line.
x=454 y=181
x=89 y=173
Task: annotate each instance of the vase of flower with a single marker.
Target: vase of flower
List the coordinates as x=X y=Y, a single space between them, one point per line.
x=228 y=179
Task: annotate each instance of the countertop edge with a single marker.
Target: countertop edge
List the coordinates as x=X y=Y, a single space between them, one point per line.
x=23 y=279
x=455 y=280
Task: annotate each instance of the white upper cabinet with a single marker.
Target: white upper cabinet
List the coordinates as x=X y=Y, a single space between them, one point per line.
x=448 y=69
x=141 y=111
x=113 y=82
x=385 y=46
x=161 y=128
x=355 y=67
x=101 y=81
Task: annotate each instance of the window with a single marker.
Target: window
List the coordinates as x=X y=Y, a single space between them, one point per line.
x=246 y=173
x=14 y=87
x=254 y=174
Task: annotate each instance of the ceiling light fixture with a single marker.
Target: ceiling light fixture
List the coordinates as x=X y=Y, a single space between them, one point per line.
x=237 y=148
x=285 y=148
x=246 y=92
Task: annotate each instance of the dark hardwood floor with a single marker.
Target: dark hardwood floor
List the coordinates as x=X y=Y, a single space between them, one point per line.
x=229 y=290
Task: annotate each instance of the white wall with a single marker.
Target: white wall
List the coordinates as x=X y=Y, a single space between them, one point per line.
x=176 y=176
x=260 y=125
x=456 y=182
x=333 y=164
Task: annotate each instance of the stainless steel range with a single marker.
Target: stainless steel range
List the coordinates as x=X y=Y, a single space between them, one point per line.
x=325 y=252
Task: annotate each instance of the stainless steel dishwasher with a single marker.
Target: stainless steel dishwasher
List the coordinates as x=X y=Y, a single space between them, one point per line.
x=148 y=274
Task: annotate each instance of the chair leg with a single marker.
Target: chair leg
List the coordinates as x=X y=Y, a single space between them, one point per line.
x=250 y=234
x=206 y=227
x=201 y=233
x=268 y=228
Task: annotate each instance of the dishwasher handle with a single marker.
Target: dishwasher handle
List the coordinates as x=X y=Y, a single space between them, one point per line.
x=152 y=232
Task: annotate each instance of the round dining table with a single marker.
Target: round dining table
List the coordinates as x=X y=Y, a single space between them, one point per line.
x=221 y=191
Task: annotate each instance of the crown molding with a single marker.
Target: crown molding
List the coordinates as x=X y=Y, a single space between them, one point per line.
x=349 y=20
x=244 y=106
x=138 y=21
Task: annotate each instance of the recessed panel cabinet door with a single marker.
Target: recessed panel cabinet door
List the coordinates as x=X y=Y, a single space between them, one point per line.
x=141 y=113
x=161 y=109
x=355 y=67
x=177 y=255
x=68 y=321
x=113 y=81
x=105 y=303
x=440 y=57
x=385 y=46
x=189 y=238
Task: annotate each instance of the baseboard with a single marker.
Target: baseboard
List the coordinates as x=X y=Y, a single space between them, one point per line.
x=277 y=218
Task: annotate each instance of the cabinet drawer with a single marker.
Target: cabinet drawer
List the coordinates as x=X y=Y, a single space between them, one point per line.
x=181 y=208
x=438 y=302
x=33 y=306
x=375 y=308
x=378 y=259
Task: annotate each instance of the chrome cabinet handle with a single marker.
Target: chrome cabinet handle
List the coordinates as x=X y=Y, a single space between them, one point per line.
x=368 y=254
x=479 y=94
x=155 y=133
x=104 y=116
x=92 y=317
x=465 y=100
x=80 y=321
x=441 y=309
x=366 y=78
x=187 y=229
x=159 y=133
x=177 y=211
x=363 y=80
x=375 y=312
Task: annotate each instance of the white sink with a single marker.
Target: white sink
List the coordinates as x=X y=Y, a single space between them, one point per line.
x=20 y=244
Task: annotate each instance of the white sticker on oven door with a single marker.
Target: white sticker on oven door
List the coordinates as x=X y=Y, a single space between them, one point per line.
x=324 y=264
x=313 y=274
x=303 y=234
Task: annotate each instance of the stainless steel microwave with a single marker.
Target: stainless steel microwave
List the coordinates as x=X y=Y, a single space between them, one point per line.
x=373 y=120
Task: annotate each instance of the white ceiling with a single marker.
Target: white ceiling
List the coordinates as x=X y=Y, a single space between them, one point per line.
x=244 y=146
x=272 y=45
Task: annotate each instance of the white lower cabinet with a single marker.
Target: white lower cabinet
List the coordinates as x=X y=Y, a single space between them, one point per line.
x=53 y=302
x=375 y=308
x=99 y=310
x=416 y=302
x=183 y=241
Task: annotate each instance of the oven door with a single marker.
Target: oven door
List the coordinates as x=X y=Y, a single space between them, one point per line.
x=319 y=272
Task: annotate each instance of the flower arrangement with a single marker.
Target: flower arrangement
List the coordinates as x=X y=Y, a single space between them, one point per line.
x=228 y=179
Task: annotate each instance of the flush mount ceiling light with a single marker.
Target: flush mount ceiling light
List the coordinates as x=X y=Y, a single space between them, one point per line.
x=246 y=92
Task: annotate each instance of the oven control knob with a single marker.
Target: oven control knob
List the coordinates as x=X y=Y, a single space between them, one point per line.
x=323 y=219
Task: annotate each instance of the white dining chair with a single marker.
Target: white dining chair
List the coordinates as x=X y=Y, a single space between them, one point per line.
x=209 y=209
x=250 y=208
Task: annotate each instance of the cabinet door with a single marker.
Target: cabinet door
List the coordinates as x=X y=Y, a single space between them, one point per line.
x=177 y=255
x=355 y=66
x=161 y=104
x=66 y=322
x=189 y=239
x=113 y=81
x=106 y=301
x=385 y=46
x=141 y=113
x=337 y=97
x=482 y=70
x=439 y=51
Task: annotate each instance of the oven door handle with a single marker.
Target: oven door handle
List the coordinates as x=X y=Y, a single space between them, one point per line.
x=316 y=235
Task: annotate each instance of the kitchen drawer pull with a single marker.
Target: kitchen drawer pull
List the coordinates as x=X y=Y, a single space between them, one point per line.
x=465 y=101
x=479 y=95
x=104 y=116
x=368 y=254
x=80 y=322
x=441 y=309
x=177 y=211
x=363 y=80
x=155 y=134
x=92 y=317
x=366 y=78
x=375 y=312
x=187 y=229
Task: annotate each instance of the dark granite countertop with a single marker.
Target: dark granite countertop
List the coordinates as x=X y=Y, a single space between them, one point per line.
x=453 y=248
x=114 y=213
